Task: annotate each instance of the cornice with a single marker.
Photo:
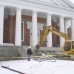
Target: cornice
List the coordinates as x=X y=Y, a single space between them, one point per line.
x=41 y=6
x=41 y=3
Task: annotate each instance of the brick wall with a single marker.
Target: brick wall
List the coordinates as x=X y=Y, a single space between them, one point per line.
x=6 y=31
x=58 y=38
x=41 y=34
x=69 y=32
x=9 y=30
x=54 y=36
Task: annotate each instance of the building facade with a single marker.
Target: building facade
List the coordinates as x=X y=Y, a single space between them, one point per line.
x=22 y=22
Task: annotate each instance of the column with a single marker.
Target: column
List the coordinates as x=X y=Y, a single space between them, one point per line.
x=1 y=23
x=34 y=28
x=61 y=30
x=18 y=28
x=72 y=29
x=49 y=37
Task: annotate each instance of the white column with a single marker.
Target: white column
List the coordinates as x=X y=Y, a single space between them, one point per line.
x=72 y=29
x=49 y=37
x=18 y=27
x=34 y=28
x=61 y=30
x=1 y=23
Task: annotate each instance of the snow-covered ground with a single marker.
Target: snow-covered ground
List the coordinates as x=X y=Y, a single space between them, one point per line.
x=36 y=67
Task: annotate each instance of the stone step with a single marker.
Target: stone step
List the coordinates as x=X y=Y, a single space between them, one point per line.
x=6 y=51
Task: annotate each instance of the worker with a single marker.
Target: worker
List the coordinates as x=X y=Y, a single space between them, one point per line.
x=29 y=53
x=37 y=49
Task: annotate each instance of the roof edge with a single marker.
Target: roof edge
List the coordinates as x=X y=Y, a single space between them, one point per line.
x=70 y=3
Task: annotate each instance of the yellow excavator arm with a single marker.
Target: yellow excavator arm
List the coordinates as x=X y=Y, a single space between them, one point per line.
x=68 y=46
x=53 y=30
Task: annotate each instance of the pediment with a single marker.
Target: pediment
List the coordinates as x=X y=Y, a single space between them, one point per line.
x=62 y=3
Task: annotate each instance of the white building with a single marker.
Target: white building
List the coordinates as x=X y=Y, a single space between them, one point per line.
x=34 y=15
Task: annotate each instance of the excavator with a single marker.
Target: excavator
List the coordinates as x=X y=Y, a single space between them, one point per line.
x=68 y=45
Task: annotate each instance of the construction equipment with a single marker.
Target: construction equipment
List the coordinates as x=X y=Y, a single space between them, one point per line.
x=68 y=46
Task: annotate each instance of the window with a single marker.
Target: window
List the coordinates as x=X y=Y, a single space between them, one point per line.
x=67 y=46
x=22 y=31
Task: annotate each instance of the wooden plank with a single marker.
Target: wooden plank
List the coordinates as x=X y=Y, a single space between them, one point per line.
x=12 y=69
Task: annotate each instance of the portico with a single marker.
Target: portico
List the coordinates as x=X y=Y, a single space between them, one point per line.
x=34 y=12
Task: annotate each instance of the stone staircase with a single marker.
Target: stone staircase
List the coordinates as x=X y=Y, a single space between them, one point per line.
x=8 y=52
x=20 y=52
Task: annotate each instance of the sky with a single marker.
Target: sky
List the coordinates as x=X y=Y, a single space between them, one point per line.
x=38 y=67
x=72 y=1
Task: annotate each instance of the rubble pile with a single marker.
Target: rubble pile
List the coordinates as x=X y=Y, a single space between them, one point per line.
x=43 y=57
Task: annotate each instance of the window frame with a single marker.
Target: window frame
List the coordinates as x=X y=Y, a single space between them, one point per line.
x=21 y=31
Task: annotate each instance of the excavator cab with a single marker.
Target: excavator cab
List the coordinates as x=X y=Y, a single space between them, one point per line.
x=68 y=47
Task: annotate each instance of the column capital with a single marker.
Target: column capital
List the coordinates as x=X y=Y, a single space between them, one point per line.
x=61 y=16
x=49 y=14
x=34 y=11
x=19 y=9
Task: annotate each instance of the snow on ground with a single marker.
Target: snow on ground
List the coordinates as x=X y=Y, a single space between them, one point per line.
x=36 y=67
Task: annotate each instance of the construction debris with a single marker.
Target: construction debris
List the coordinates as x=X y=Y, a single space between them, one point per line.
x=44 y=57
